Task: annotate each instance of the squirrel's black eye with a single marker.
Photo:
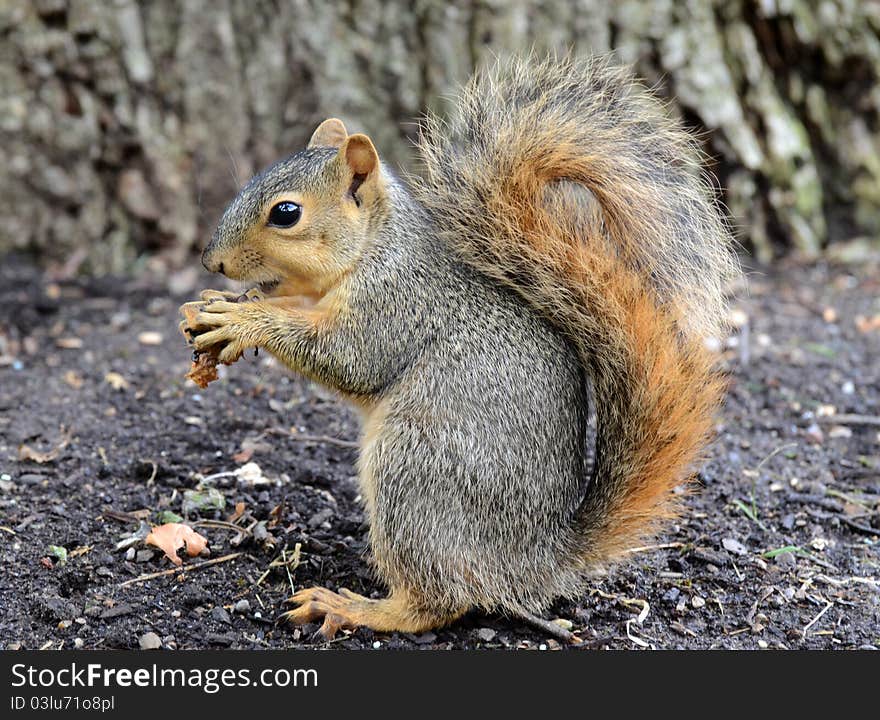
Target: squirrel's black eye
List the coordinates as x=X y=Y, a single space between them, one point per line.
x=285 y=214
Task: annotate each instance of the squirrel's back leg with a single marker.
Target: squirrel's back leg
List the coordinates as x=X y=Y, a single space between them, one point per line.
x=400 y=612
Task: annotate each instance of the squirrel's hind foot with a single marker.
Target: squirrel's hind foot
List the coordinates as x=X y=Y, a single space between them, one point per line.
x=348 y=610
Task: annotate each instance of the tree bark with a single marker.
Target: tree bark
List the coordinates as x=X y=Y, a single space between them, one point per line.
x=127 y=126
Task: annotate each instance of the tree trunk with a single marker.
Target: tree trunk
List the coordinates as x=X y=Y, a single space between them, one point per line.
x=127 y=126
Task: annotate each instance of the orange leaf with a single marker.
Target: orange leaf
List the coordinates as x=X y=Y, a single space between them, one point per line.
x=170 y=537
x=239 y=511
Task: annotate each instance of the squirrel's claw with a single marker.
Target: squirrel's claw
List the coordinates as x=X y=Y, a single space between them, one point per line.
x=214 y=295
x=339 y=611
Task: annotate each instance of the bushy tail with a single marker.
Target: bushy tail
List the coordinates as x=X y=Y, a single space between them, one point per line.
x=568 y=182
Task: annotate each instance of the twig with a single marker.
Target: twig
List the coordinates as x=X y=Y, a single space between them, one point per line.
x=325 y=439
x=637 y=640
x=119 y=515
x=153 y=472
x=818 y=561
x=871 y=582
x=848 y=498
x=816 y=619
x=8 y=529
x=223 y=525
x=217 y=476
x=663 y=546
x=773 y=453
x=820 y=500
x=866 y=420
x=288 y=564
x=551 y=628
x=174 y=570
x=866 y=529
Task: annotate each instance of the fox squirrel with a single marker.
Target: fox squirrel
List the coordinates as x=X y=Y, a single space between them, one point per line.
x=560 y=252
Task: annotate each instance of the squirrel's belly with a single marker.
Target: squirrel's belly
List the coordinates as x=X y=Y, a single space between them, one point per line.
x=472 y=480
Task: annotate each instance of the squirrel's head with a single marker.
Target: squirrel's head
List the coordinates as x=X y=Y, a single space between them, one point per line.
x=305 y=221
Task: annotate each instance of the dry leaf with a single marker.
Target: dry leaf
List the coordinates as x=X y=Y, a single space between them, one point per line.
x=239 y=511
x=243 y=456
x=116 y=381
x=26 y=452
x=866 y=325
x=169 y=538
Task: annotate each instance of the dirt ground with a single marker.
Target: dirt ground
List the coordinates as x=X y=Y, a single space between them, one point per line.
x=778 y=548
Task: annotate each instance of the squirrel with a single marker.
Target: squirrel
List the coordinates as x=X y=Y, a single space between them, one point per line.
x=557 y=265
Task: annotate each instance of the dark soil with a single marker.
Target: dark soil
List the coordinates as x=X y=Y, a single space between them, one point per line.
x=777 y=478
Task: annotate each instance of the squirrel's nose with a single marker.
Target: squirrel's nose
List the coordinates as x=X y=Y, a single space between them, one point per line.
x=210 y=261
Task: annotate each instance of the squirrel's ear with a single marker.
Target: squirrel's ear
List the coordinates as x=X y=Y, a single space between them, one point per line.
x=330 y=133
x=360 y=155
x=360 y=158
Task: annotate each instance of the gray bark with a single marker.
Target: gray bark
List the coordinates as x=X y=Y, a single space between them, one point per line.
x=127 y=126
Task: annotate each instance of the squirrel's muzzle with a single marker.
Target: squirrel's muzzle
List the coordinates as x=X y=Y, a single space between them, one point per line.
x=211 y=258
x=211 y=263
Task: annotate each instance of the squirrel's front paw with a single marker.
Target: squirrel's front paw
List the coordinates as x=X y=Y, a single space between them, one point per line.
x=224 y=324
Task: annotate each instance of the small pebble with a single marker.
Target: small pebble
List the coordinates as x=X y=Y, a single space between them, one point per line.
x=150 y=337
x=786 y=561
x=486 y=634
x=150 y=641
x=320 y=517
x=814 y=433
x=31 y=479
x=697 y=601
x=130 y=553
x=376 y=645
x=242 y=607
x=734 y=546
x=78 y=643
x=848 y=388
x=762 y=644
x=220 y=615
x=542 y=646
